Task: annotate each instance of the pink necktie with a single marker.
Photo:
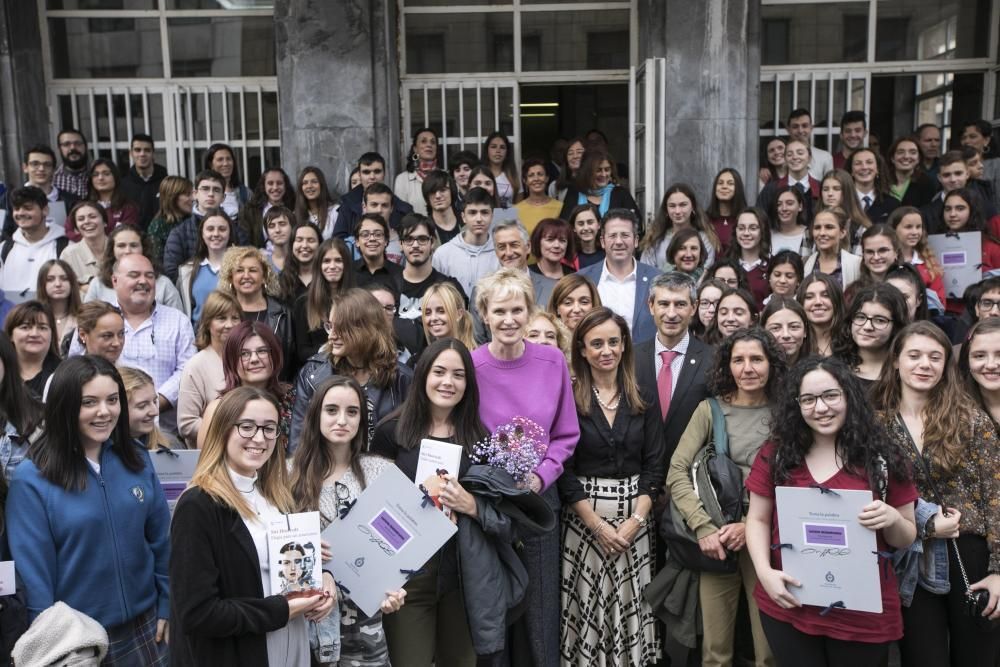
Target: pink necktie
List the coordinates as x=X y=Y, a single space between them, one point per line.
x=665 y=381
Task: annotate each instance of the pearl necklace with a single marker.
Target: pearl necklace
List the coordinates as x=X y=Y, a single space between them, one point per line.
x=609 y=408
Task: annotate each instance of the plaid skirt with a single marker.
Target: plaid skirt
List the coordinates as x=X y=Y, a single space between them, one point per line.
x=605 y=619
x=133 y=643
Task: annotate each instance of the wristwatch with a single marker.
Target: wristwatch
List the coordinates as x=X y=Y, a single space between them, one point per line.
x=639 y=519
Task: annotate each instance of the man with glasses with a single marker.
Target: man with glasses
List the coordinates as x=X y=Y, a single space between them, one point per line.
x=988 y=303
x=209 y=191
x=622 y=280
x=379 y=199
x=372 y=234
x=39 y=168
x=371 y=170
x=416 y=234
x=158 y=339
x=71 y=176
x=470 y=255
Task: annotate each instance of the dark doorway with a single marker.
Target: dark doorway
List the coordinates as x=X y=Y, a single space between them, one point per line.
x=551 y=112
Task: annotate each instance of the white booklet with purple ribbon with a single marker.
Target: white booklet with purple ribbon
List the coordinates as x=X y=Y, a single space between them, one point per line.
x=825 y=548
x=174 y=468
x=387 y=535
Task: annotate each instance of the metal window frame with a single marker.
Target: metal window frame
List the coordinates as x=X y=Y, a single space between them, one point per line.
x=515 y=78
x=179 y=138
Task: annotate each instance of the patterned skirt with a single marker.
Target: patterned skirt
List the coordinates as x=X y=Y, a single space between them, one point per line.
x=605 y=619
x=133 y=644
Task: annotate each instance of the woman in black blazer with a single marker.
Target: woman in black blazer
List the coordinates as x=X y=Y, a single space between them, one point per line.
x=221 y=611
x=595 y=183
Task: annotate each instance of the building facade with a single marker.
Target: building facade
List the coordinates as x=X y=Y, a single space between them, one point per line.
x=679 y=88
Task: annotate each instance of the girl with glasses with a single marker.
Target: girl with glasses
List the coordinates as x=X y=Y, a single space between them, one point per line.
x=879 y=251
x=875 y=316
x=824 y=432
x=709 y=293
x=223 y=609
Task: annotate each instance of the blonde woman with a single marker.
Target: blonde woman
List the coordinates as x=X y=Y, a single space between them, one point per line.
x=544 y=328
x=222 y=609
x=203 y=378
x=143 y=408
x=247 y=275
x=444 y=315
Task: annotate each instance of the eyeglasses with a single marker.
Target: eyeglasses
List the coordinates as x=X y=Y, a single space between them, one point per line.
x=988 y=304
x=831 y=398
x=868 y=252
x=878 y=322
x=249 y=430
x=262 y=353
x=71 y=144
x=707 y=304
x=389 y=309
x=374 y=235
x=417 y=240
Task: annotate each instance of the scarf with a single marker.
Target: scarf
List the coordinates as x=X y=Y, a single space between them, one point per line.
x=605 y=194
x=425 y=167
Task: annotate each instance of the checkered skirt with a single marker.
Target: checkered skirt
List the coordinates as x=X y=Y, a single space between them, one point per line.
x=605 y=619
x=133 y=644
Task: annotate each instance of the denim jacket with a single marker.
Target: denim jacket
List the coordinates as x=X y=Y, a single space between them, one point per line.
x=923 y=563
x=13 y=449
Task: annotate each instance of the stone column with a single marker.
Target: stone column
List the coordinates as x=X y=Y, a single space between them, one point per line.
x=712 y=51
x=24 y=113
x=338 y=85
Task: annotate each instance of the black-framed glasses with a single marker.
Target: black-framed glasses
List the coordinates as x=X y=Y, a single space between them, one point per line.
x=831 y=398
x=988 y=304
x=417 y=240
x=262 y=353
x=249 y=430
x=368 y=234
x=878 y=322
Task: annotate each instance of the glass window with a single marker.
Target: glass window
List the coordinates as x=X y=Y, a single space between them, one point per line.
x=101 y=4
x=932 y=29
x=118 y=48
x=445 y=43
x=448 y=3
x=811 y=33
x=220 y=4
x=219 y=47
x=574 y=40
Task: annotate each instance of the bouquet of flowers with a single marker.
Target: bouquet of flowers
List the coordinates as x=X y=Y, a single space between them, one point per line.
x=517 y=447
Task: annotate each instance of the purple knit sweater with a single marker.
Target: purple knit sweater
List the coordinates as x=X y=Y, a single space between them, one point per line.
x=535 y=386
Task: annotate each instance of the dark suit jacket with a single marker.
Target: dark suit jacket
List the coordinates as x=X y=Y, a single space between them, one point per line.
x=350 y=212
x=881 y=208
x=643 y=327
x=920 y=191
x=692 y=386
x=218 y=612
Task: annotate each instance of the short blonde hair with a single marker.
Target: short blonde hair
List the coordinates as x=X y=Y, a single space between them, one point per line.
x=237 y=254
x=564 y=338
x=504 y=284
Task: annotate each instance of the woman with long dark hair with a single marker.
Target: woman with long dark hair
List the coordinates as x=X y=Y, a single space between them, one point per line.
x=59 y=291
x=786 y=321
x=727 y=200
x=498 y=155
x=823 y=301
x=20 y=412
x=331 y=273
x=331 y=468
x=751 y=245
x=104 y=187
x=608 y=545
x=87 y=520
x=297 y=275
x=596 y=183
x=678 y=210
x=273 y=188
x=585 y=220
x=443 y=404
x=825 y=432
x=221 y=159
x=199 y=276
x=313 y=201
x=876 y=314
x=955 y=457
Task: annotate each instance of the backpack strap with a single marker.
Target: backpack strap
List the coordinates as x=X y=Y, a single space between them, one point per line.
x=720 y=439
x=8 y=245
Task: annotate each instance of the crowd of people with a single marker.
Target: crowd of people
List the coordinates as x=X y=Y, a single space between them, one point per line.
x=305 y=343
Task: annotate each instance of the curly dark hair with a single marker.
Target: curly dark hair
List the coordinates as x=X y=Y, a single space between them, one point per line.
x=860 y=441
x=723 y=384
x=884 y=294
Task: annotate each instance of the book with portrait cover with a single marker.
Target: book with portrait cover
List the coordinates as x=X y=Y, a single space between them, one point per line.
x=436 y=459
x=293 y=545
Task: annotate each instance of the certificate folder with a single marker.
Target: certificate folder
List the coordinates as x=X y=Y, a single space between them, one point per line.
x=389 y=533
x=827 y=550
x=174 y=468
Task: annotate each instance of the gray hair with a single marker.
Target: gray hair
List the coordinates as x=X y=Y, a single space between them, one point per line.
x=501 y=225
x=675 y=281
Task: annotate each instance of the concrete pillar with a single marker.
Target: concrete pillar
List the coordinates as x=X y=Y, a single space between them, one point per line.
x=24 y=113
x=338 y=84
x=712 y=51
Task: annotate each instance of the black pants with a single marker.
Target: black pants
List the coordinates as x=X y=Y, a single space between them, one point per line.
x=937 y=631
x=792 y=648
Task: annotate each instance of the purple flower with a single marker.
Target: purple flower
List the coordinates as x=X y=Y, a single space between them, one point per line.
x=517 y=446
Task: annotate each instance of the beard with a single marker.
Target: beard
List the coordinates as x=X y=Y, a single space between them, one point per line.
x=78 y=162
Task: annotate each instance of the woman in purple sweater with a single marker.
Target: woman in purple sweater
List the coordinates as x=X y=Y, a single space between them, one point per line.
x=520 y=379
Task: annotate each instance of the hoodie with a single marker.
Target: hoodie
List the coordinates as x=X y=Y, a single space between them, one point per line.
x=19 y=271
x=465 y=262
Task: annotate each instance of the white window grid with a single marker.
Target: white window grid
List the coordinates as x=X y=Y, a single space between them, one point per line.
x=181 y=140
x=474 y=83
x=871 y=66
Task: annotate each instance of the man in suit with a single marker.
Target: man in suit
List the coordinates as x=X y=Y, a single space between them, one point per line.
x=622 y=280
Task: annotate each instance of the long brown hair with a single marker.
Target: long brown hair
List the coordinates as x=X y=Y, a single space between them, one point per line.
x=948 y=414
x=319 y=294
x=359 y=320
x=313 y=460
x=212 y=474
x=583 y=388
